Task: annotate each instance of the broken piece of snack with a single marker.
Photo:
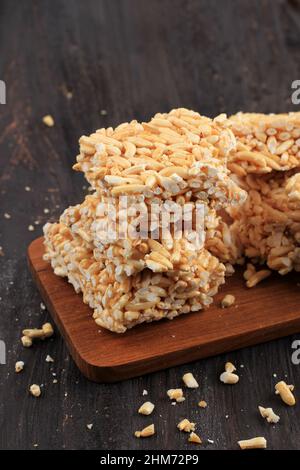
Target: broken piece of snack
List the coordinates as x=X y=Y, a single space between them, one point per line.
x=254 y=443
x=146 y=432
x=146 y=408
x=190 y=380
x=186 y=426
x=194 y=438
x=176 y=394
x=269 y=415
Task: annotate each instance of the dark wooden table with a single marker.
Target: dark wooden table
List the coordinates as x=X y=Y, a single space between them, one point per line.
x=132 y=58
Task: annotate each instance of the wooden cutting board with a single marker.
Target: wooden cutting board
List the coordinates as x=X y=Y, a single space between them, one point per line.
x=267 y=311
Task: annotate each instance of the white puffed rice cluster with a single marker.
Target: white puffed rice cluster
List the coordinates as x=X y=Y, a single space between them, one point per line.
x=177 y=157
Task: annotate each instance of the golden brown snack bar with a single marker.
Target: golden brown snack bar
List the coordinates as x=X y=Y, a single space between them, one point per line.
x=143 y=297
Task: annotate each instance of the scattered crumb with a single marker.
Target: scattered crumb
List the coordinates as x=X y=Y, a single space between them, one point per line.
x=176 y=394
x=146 y=408
x=26 y=341
x=269 y=414
x=27 y=188
x=242 y=366
x=46 y=211
x=186 y=426
x=35 y=390
x=35 y=445
x=145 y=392
x=227 y=301
x=228 y=377
x=173 y=403
x=210 y=441
x=55 y=381
x=226 y=416
x=19 y=366
x=42 y=306
x=146 y=432
x=190 y=380
x=202 y=404
x=90 y=426
x=7 y=216
x=103 y=112
x=285 y=392
x=194 y=438
x=30 y=228
x=255 y=443
x=48 y=120
x=49 y=358
x=66 y=394
x=275 y=375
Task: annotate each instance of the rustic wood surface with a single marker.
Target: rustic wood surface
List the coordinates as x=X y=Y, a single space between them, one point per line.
x=130 y=58
x=103 y=356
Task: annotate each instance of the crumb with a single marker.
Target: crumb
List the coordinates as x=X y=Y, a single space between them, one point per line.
x=190 y=381
x=26 y=341
x=269 y=414
x=7 y=216
x=275 y=375
x=186 y=426
x=19 y=366
x=146 y=432
x=27 y=188
x=42 y=306
x=194 y=438
x=103 y=112
x=46 y=211
x=176 y=394
x=54 y=381
x=202 y=404
x=49 y=358
x=35 y=390
x=227 y=301
x=210 y=441
x=48 y=120
x=30 y=228
x=145 y=392
x=146 y=408
x=90 y=426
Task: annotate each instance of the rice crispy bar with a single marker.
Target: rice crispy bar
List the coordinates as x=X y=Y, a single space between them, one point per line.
x=180 y=158
x=132 y=255
x=266 y=164
x=265 y=143
x=267 y=226
x=175 y=154
x=143 y=297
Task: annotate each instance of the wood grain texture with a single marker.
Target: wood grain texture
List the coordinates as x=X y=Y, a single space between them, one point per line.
x=132 y=58
x=103 y=356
